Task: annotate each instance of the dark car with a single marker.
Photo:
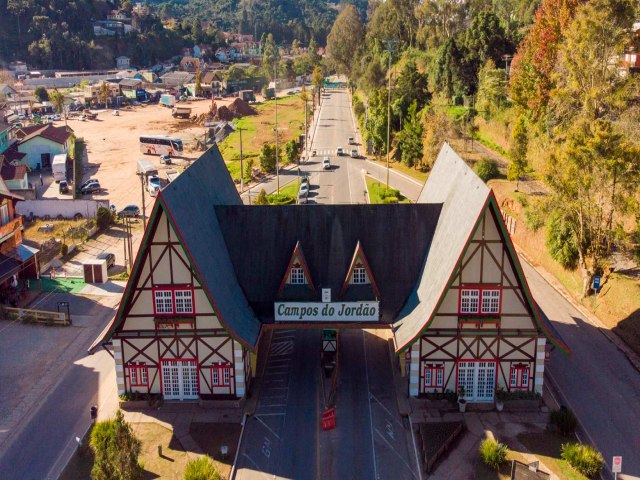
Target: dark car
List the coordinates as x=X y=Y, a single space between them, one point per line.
x=129 y=211
x=109 y=257
x=165 y=159
x=64 y=187
x=90 y=188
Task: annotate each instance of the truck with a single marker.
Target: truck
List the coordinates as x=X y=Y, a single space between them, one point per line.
x=247 y=95
x=167 y=100
x=181 y=112
x=269 y=93
x=172 y=175
x=146 y=168
x=59 y=167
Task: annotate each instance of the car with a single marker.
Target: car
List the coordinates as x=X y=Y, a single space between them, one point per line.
x=63 y=187
x=340 y=151
x=22 y=116
x=354 y=153
x=153 y=185
x=109 y=257
x=304 y=180
x=165 y=159
x=326 y=163
x=56 y=117
x=302 y=197
x=116 y=113
x=304 y=189
x=90 y=188
x=87 y=182
x=314 y=153
x=129 y=211
x=351 y=141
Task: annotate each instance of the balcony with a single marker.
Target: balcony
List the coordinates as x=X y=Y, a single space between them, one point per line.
x=8 y=229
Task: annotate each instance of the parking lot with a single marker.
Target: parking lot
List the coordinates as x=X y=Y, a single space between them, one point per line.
x=113 y=147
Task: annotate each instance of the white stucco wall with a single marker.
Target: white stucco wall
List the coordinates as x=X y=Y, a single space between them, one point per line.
x=55 y=206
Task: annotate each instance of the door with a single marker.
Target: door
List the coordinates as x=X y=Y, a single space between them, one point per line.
x=179 y=379
x=45 y=158
x=478 y=380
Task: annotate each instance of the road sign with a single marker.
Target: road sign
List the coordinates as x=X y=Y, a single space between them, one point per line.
x=616 y=465
x=596 y=282
x=329 y=419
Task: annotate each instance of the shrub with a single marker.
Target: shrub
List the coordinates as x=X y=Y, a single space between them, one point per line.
x=116 y=450
x=280 y=199
x=493 y=454
x=64 y=249
x=262 y=198
x=202 y=469
x=564 y=420
x=534 y=218
x=560 y=241
x=584 y=458
x=104 y=218
x=486 y=169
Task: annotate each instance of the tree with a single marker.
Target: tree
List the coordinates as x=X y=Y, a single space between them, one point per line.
x=376 y=125
x=198 y=80
x=412 y=86
x=345 y=38
x=594 y=177
x=104 y=93
x=312 y=53
x=395 y=21
x=57 y=98
x=116 y=450
x=439 y=20
x=202 y=468
x=268 y=158
x=436 y=127
x=262 y=198
x=491 y=89
x=317 y=79
x=235 y=73
x=270 y=56
x=519 y=144
x=410 y=138
x=41 y=94
x=291 y=151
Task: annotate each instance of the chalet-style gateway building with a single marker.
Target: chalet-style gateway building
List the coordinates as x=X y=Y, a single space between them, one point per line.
x=213 y=274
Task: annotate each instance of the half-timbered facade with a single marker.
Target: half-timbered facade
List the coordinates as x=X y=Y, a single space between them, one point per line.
x=212 y=274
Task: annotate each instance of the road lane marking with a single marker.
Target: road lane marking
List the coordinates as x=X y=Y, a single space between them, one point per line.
x=396 y=452
x=251 y=460
x=257 y=417
x=386 y=410
x=366 y=372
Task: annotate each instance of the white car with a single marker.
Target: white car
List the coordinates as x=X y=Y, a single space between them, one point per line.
x=154 y=185
x=326 y=164
x=354 y=153
x=340 y=151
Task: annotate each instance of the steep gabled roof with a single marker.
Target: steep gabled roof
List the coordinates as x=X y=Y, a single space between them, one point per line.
x=55 y=134
x=359 y=254
x=188 y=202
x=299 y=254
x=464 y=196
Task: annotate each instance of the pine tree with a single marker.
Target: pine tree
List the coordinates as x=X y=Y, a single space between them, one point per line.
x=116 y=450
x=519 y=145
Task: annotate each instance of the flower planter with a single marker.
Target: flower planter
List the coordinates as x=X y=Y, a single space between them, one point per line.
x=462 y=406
x=499 y=405
x=522 y=405
x=134 y=404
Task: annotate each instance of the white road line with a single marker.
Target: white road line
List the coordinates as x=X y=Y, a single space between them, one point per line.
x=272 y=414
x=396 y=452
x=267 y=427
x=393 y=417
x=251 y=460
x=366 y=372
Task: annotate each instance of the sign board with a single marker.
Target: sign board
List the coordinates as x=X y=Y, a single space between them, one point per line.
x=326 y=295
x=596 y=282
x=326 y=312
x=616 y=465
x=329 y=419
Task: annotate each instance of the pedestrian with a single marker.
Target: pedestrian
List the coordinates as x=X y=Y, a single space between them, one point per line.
x=41 y=181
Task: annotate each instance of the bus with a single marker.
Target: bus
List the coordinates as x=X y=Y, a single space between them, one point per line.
x=160 y=145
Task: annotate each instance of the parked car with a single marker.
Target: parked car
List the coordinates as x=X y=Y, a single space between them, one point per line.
x=326 y=163
x=63 y=187
x=165 y=159
x=351 y=141
x=116 y=113
x=87 y=182
x=354 y=153
x=129 y=211
x=304 y=189
x=91 y=188
x=153 y=185
x=304 y=180
x=340 y=151
x=109 y=257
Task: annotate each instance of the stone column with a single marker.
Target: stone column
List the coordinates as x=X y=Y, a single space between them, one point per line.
x=238 y=365
x=540 y=355
x=117 y=355
x=414 y=369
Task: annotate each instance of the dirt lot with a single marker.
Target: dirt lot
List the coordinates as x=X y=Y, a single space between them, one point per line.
x=113 y=146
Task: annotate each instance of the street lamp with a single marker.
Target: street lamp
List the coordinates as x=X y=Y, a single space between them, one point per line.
x=275 y=89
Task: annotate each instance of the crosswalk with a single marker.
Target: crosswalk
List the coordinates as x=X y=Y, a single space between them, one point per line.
x=331 y=151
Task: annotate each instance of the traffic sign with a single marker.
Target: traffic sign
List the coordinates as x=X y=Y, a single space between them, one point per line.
x=616 y=465
x=329 y=419
x=596 y=282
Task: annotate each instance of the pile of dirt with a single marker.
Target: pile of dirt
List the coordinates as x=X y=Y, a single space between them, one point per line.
x=224 y=114
x=240 y=108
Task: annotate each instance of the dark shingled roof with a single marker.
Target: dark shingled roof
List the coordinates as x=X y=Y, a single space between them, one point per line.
x=190 y=199
x=394 y=238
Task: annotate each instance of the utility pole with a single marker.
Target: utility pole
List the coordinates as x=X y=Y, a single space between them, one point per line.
x=388 y=115
x=144 y=210
x=306 y=146
x=241 y=164
x=275 y=89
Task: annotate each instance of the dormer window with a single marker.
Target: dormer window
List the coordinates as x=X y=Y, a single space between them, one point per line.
x=360 y=276
x=297 y=276
x=480 y=301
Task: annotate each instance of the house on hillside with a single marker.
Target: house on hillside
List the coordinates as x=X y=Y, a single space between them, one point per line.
x=14 y=176
x=7 y=92
x=177 y=79
x=17 y=261
x=191 y=64
x=213 y=275
x=123 y=63
x=40 y=143
x=7 y=132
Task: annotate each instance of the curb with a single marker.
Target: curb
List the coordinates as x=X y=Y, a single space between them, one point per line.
x=633 y=358
x=232 y=475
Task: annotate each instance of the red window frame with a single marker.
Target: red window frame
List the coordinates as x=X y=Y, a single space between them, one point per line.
x=173 y=289
x=433 y=369
x=481 y=290
x=522 y=371
x=138 y=372
x=219 y=369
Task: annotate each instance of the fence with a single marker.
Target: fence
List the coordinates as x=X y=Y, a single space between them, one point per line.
x=28 y=315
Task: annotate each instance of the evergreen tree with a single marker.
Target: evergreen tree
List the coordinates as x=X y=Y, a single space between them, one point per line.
x=410 y=138
x=116 y=450
x=519 y=144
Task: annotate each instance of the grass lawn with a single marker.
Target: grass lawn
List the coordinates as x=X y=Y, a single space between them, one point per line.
x=377 y=191
x=259 y=129
x=291 y=188
x=546 y=446
x=60 y=227
x=483 y=472
x=402 y=168
x=171 y=465
x=61 y=285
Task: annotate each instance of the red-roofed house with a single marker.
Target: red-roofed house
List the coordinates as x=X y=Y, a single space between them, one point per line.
x=14 y=176
x=40 y=143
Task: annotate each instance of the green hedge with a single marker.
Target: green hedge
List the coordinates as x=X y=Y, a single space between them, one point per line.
x=564 y=421
x=202 y=469
x=492 y=453
x=584 y=458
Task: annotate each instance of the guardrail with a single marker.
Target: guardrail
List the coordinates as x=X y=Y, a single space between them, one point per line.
x=27 y=315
